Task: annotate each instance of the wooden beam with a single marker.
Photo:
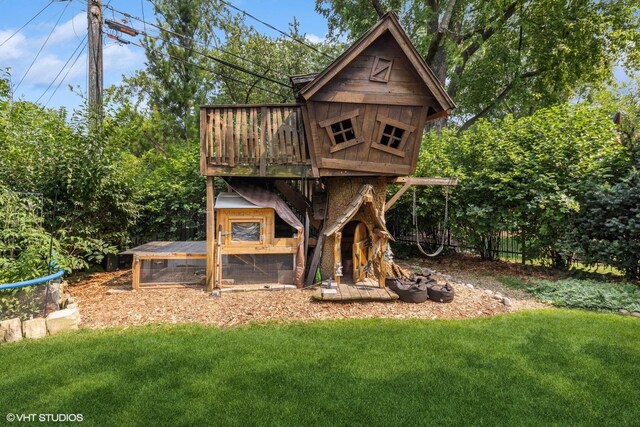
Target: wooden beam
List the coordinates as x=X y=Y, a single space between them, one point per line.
x=135 y=273
x=443 y=113
x=211 y=234
x=423 y=181
x=383 y=264
x=315 y=260
x=269 y=171
x=337 y=254
x=396 y=196
x=370 y=167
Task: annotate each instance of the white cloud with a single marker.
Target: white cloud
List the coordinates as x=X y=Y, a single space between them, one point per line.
x=46 y=68
x=120 y=58
x=312 y=38
x=75 y=28
x=15 y=48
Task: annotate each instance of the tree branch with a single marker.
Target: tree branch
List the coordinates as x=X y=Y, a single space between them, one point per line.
x=434 y=45
x=378 y=7
x=501 y=96
x=485 y=34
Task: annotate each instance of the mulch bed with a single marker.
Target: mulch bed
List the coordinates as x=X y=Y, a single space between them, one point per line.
x=123 y=308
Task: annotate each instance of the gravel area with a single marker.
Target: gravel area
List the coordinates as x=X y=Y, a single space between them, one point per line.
x=482 y=274
x=106 y=300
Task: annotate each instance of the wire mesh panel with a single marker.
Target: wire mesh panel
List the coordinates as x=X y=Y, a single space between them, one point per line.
x=173 y=271
x=258 y=268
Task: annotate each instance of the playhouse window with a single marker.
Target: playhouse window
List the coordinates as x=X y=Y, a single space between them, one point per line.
x=392 y=136
x=342 y=130
x=245 y=231
x=381 y=69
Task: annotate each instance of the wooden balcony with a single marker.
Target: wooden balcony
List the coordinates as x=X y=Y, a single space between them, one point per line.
x=254 y=140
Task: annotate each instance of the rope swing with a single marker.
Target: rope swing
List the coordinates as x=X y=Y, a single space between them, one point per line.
x=444 y=224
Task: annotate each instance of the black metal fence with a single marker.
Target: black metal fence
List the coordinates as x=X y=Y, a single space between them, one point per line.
x=503 y=245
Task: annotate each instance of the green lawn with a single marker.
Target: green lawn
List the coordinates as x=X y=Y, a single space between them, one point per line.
x=556 y=367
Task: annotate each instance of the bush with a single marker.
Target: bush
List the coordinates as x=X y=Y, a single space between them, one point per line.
x=588 y=294
x=22 y=302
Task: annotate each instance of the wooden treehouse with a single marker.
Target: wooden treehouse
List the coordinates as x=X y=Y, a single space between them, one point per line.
x=320 y=167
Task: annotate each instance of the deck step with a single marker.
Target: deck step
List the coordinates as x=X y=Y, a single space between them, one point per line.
x=357 y=292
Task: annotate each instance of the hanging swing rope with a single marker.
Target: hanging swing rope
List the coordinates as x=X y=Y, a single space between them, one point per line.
x=444 y=225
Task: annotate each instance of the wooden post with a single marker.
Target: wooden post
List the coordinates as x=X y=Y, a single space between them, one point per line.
x=337 y=255
x=94 y=18
x=135 y=273
x=383 y=264
x=211 y=234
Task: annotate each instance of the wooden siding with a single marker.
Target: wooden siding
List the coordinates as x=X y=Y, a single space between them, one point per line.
x=363 y=158
x=254 y=140
x=403 y=99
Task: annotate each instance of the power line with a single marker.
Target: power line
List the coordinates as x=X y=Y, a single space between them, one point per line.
x=206 y=55
x=62 y=69
x=191 y=39
x=210 y=70
x=66 y=74
x=276 y=29
x=27 y=23
x=42 y=47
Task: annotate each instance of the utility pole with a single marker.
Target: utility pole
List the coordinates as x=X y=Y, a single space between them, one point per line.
x=94 y=19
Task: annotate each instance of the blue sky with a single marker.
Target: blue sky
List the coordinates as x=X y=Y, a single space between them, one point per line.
x=19 y=52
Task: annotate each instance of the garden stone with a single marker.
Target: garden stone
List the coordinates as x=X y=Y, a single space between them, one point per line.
x=506 y=301
x=488 y=291
x=12 y=329
x=623 y=311
x=72 y=305
x=63 y=320
x=498 y=296
x=470 y=286
x=34 y=328
x=635 y=314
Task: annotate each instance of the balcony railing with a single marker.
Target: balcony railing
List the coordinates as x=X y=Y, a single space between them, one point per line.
x=258 y=136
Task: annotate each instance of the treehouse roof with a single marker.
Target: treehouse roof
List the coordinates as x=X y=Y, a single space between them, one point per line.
x=387 y=24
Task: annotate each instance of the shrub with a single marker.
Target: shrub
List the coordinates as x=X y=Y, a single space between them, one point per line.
x=588 y=294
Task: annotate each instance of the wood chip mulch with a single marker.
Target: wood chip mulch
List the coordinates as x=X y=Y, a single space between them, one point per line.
x=123 y=307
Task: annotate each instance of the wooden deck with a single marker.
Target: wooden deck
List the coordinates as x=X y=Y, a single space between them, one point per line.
x=254 y=140
x=366 y=290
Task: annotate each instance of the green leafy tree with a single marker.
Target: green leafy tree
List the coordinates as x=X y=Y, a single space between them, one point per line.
x=506 y=56
x=81 y=173
x=177 y=81
x=608 y=226
x=528 y=176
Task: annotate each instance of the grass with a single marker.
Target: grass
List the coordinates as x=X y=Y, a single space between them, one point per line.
x=547 y=367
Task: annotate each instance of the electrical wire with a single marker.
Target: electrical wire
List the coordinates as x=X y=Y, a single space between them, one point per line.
x=66 y=74
x=27 y=23
x=42 y=47
x=276 y=29
x=127 y=15
x=218 y=60
x=62 y=69
x=175 y=58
